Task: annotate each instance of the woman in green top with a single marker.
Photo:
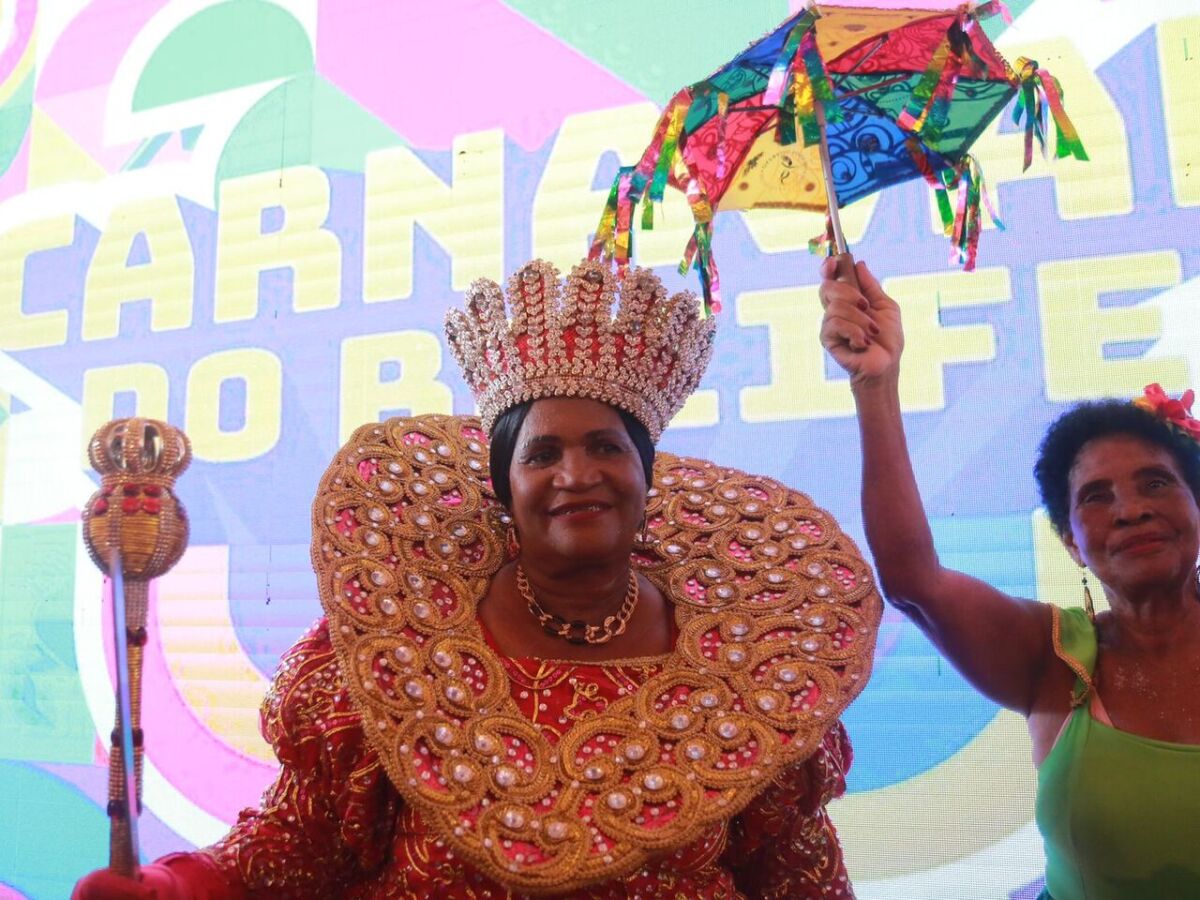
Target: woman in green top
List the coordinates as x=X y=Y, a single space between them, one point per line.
x=1112 y=701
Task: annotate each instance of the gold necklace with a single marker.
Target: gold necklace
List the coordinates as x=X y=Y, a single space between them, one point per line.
x=576 y=631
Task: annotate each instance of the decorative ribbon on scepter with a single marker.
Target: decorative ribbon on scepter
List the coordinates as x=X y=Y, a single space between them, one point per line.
x=135 y=529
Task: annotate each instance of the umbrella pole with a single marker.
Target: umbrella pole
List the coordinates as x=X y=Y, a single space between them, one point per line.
x=845 y=262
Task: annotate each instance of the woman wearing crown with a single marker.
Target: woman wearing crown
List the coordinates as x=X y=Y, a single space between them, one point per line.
x=596 y=674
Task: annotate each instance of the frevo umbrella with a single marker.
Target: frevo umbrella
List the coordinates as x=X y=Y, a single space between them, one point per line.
x=838 y=102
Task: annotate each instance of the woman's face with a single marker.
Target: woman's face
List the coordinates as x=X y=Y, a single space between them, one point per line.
x=578 y=489
x=1134 y=520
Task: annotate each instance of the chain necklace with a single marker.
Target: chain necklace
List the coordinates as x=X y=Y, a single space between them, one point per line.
x=575 y=630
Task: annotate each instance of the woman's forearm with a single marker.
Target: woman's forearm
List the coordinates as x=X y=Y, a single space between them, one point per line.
x=893 y=515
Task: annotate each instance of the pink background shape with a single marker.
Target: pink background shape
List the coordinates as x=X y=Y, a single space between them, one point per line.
x=88 y=51
x=23 y=24
x=175 y=738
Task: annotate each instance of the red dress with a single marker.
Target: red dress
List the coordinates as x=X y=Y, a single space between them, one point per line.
x=417 y=761
x=332 y=825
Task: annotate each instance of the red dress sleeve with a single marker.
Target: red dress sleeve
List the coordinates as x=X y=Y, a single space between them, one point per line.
x=327 y=820
x=784 y=845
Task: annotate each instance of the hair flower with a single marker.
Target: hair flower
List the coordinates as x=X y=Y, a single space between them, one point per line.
x=1175 y=412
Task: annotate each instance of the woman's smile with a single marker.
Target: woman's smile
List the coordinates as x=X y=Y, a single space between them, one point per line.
x=579 y=510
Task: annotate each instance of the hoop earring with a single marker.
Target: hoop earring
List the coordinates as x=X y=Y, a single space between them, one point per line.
x=643 y=535
x=1088 y=605
x=512 y=542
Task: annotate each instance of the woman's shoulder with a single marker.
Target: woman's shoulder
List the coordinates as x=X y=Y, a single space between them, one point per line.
x=1074 y=639
x=308 y=697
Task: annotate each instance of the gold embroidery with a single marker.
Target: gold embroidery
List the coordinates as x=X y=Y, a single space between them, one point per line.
x=776 y=613
x=586 y=702
x=1080 y=693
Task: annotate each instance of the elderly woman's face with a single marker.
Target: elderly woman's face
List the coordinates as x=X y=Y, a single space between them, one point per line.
x=578 y=488
x=1134 y=520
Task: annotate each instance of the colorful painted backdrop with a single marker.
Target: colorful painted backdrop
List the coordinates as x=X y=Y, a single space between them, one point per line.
x=248 y=217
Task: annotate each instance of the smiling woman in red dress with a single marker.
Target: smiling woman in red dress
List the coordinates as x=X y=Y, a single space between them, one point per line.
x=595 y=674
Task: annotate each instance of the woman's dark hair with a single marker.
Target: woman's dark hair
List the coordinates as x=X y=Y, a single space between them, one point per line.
x=1102 y=418
x=503 y=443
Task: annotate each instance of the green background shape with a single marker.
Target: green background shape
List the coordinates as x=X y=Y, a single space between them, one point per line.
x=227 y=46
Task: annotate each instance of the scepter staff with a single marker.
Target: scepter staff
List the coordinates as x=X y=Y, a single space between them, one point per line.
x=135 y=529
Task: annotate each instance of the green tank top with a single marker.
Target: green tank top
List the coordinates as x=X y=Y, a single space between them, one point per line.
x=1119 y=813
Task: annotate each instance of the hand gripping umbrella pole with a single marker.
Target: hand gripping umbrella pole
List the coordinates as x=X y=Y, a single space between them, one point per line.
x=134 y=529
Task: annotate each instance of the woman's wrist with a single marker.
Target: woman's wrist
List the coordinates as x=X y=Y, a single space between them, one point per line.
x=875 y=386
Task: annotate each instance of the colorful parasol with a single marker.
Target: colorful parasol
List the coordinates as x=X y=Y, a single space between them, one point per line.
x=838 y=102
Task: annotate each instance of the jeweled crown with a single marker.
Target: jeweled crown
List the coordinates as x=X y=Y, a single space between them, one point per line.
x=565 y=340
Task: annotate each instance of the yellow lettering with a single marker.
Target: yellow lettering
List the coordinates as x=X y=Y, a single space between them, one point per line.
x=1076 y=329
x=165 y=279
x=298 y=196
x=366 y=390
x=24 y=330
x=1179 y=69
x=931 y=346
x=147 y=382
x=465 y=217
x=1103 y=186
x=567 y=209
x=261 y=375
x=701 y=409
x=798 y=388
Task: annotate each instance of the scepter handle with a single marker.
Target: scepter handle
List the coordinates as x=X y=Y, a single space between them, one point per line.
x=129 y=606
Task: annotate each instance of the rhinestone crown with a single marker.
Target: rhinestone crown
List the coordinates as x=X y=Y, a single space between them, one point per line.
x=564 y=340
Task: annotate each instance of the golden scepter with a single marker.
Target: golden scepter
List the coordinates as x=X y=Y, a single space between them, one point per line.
x=135 y=529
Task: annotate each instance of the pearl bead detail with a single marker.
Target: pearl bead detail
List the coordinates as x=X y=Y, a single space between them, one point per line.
x=617 y=801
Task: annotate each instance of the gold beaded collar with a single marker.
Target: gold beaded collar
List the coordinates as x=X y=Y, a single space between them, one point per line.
x=777 y=617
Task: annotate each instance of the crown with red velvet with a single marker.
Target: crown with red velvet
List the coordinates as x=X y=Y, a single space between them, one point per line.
x=548 y=338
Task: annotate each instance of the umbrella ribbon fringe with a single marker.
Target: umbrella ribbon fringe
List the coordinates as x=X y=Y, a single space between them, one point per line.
x=912 y=118
x=822 y=91
x=993 y=8
x=698 y=252
x=664 y=149
x=602 y=240
x=935 y=180
x=968 y=222
x=1040 y=90
x=939 y=107
x=823 y=242
x=623 y=235
x=799 y=81
x=723 y=113
x=784 y=66
x=613 y=240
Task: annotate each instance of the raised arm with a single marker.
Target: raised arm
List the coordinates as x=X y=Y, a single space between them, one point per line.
x=1001 y=644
